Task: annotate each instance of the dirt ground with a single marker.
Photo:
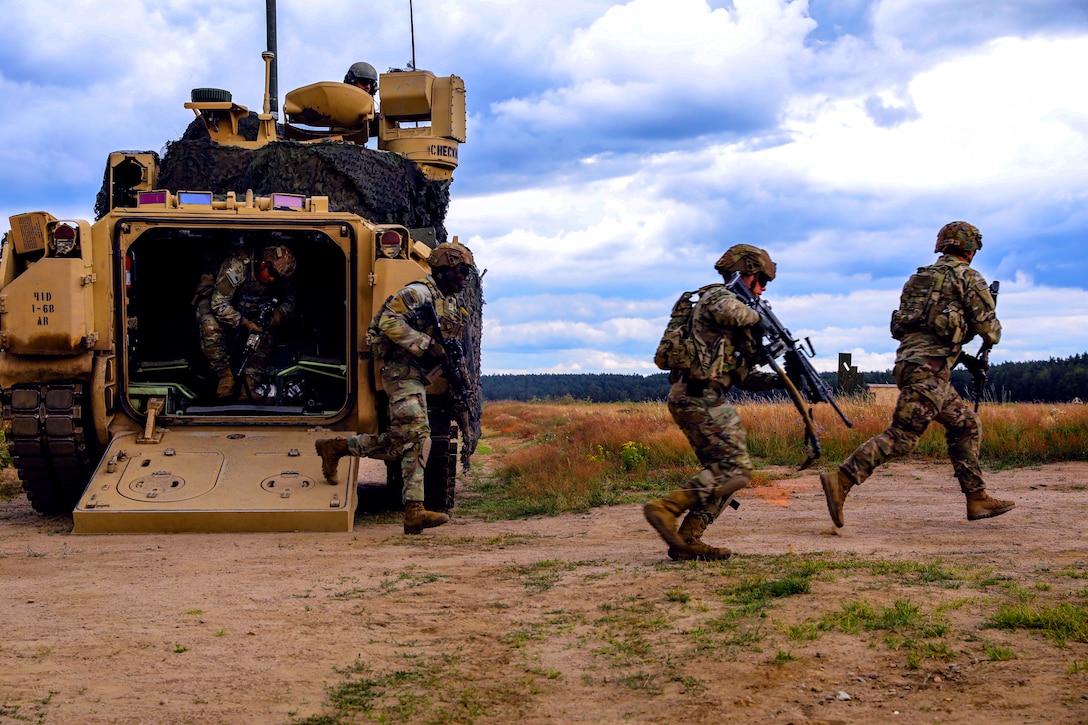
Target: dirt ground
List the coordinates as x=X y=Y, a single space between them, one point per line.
x=576 y=618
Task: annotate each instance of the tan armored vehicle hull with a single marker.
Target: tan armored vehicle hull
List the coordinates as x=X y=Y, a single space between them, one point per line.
x=112 y=410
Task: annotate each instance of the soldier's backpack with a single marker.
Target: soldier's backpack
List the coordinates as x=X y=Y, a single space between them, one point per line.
x=930 y=303
x=676 y=351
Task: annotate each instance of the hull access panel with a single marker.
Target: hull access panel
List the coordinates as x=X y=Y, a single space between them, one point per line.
x=217 y=479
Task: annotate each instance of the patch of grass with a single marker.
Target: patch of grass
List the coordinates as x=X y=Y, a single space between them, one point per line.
x=643 y=682
x=752 y=596
x=781 y=657
x=5 y=454
x=997 y=652
x=1060 y=623
x=676 y=594
x=541 y=576
x=397 y=582
x=422 y=689
x=10 y=485
x=803 y=631
x=906 y=628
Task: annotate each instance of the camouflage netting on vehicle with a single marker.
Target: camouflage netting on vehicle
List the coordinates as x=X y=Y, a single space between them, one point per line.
x=473 y=299
x=380 y=186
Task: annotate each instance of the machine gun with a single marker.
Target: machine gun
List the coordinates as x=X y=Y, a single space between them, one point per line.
x=979 y=364
x=799 y=377
x=460 y=393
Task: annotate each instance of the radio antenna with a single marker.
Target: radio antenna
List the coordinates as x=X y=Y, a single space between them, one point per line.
x=412 y=25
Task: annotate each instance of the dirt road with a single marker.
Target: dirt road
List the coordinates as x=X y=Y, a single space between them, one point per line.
x=577 y=618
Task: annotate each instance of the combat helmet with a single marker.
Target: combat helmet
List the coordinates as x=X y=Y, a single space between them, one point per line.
x=746 y=259
x=450 y=254
x=362 y=73
x=279 y=258
x=958 y=237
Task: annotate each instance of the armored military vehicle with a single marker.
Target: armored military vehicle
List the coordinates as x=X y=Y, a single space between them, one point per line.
x=111 y=409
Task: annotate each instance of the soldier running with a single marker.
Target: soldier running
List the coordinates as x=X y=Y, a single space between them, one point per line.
x=725 y=336
x=941 y=308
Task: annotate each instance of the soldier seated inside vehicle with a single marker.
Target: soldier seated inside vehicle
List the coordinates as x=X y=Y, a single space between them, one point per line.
x=254 y=320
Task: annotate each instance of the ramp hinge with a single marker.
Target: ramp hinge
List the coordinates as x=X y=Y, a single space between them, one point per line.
x=89 y=279
x=3 y=304
x=4 y=340
x=90 y=339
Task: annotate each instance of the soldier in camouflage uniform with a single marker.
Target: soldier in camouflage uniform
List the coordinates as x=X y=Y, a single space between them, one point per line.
x=229 y=305
x=363 y=76
x=941 y=308
x=726 y=337
x=403 y=339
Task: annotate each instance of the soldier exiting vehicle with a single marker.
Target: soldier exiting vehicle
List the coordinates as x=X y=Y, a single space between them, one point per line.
x=942 y=307
x=247 y=297
x=723 y=335
x=403 y=338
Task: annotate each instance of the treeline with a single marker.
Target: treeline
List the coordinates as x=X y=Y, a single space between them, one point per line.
x=603 y=388
x=1047 y=381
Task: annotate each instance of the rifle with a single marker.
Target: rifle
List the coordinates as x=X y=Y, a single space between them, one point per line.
x=460 y=393
x=266 y=312
x=799 y=377
x=979 y=364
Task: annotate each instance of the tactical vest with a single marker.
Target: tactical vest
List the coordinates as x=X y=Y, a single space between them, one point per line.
x=452 y=321
x=931 y=302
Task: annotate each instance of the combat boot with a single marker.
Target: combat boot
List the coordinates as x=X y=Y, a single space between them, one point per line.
x=254 y=391
x=981 y=506
x=662 y=515
x=417 y=518
x=836 y=486
x=226 y=385
x=331 y=451
x=691 y=531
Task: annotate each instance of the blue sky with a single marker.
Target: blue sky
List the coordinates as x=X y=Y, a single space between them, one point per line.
x=616 y=149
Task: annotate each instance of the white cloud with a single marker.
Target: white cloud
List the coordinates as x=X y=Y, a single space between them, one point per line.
x=678 y=128
x=1000 y=115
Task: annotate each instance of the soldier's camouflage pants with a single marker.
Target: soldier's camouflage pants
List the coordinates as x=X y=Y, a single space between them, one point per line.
x=409 y=435
x=216 y=342
x=716 y=434
x=925 y=395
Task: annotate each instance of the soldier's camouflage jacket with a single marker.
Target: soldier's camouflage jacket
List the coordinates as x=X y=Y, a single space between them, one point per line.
x=238 y=292
x=726 y=341
x=401 y=333
x=942 y=307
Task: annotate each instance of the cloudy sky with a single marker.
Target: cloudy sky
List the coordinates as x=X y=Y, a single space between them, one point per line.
x=616 y=149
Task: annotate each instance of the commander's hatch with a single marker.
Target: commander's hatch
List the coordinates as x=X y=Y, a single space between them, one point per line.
x=216 y=479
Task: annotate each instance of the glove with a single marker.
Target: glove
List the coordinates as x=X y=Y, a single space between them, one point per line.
x=250 y=325
x=437 y=352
